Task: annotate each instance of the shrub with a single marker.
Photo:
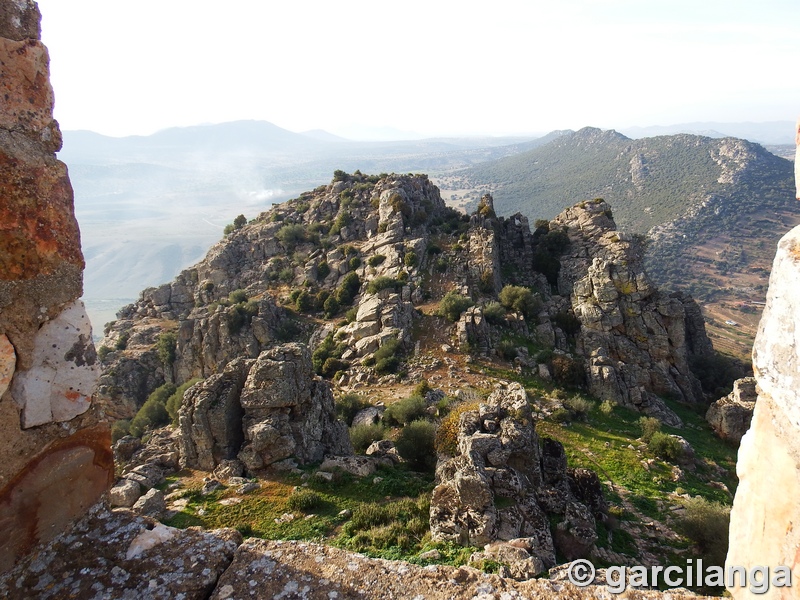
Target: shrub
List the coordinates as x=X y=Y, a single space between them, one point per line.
x=333 y=365
x=304 y=500
x=579 y=407
x=665 y=447
x=237 y=296
x=404 y=411
x=447 y=432
x=607 y=407
x=452 y=305
x=241 y=314
x=291 y=235
x=507 y=349
x=348 y=406
x=706 y=524
x=103 y=352
x=494 y=313
x=348 y=289
x=381 y=283
x=304 y=302
x=422 y=388
x=287 y=330
x=122 y=340
x=520 y=299
x=166 y=345
x=354 y=263
x=416 y=444
x=173 y=403
x=486 y=282
x=331 y=306
x=153 y=412
x=649 y=426
x=120 y=429
x=361 y=436
x=323 y=270
x=375 y=260
x=385 y=357
x=561 y=415
x=411 y=259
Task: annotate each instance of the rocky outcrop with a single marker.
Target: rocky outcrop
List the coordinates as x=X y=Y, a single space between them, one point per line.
x=765 y=506
x=633 y=337
x=502 y=486
x=51 y=434
x=261 y=411
x=116 y=554
x=730 y=416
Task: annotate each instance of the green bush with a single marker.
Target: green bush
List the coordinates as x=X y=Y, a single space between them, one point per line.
x=561 y=415
x=291 y=235
x=448 y=430
x=649 y=426
x=120 y=429
x=579 y=407
x=520 y=299
x=665 y=447
x=568 y=370
x=385 y=358
x=304 y=302
x=416 y=445
x=381 y=283
x=304 y=500
x=122 y=340
x=361 y=436
x=607 y=407
x=422 y=388
x=706 y=524
x=375 y=260
x=153 y=412
x=494 y=313
x=331 y=307
x=404 y=411
x=348 y=289
x=348 y=406
x=486 y=282
x=567 y=322
x=411 y=259
x=237 y=296
x=452 y=305
x=507 y=349
x=173 y=403
x=166 y=345
x=354 y=263
x=323 y=270
x=103 y=352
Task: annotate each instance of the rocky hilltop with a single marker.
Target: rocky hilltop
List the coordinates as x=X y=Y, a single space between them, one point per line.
x=348 y=266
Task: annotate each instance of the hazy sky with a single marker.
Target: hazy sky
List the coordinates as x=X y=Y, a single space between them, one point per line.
x=124 y=67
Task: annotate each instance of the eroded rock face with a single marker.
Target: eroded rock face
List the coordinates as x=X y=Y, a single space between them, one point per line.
x=119 y=555
x=501 y=486
x=633 y=337
x=262 y=411
x=765 y=506
x=56 y=451
x=730 y=416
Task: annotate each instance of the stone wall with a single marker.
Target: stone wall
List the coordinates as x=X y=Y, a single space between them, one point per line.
x=766 y=511
x=56 y=452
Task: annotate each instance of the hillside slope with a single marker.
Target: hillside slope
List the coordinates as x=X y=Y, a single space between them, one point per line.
x=714 y=208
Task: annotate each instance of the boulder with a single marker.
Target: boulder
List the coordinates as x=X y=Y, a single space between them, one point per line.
x=730 y=416
x=152 y=504
x=125 y=493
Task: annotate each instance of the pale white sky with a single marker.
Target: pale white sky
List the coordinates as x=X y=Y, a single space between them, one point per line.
x=434 y=67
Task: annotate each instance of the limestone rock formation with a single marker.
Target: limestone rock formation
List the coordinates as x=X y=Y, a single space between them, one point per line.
x=730 y=416
x=502 y=486
x=116 y=554
x=765 y=506
x=633 y=337
x=56 y=451
x=261 y=411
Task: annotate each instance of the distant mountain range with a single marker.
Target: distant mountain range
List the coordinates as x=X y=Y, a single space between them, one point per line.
x=771 y=132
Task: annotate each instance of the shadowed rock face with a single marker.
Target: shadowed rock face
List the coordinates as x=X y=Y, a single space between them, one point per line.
x=261 y=411
x=56 y=456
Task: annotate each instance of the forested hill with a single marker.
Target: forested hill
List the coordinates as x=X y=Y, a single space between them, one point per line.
x=714 y=208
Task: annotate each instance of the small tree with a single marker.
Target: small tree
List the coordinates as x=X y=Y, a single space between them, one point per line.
x=166 y=346
x=520 y=299
x=452 y=305
x=416 y=444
